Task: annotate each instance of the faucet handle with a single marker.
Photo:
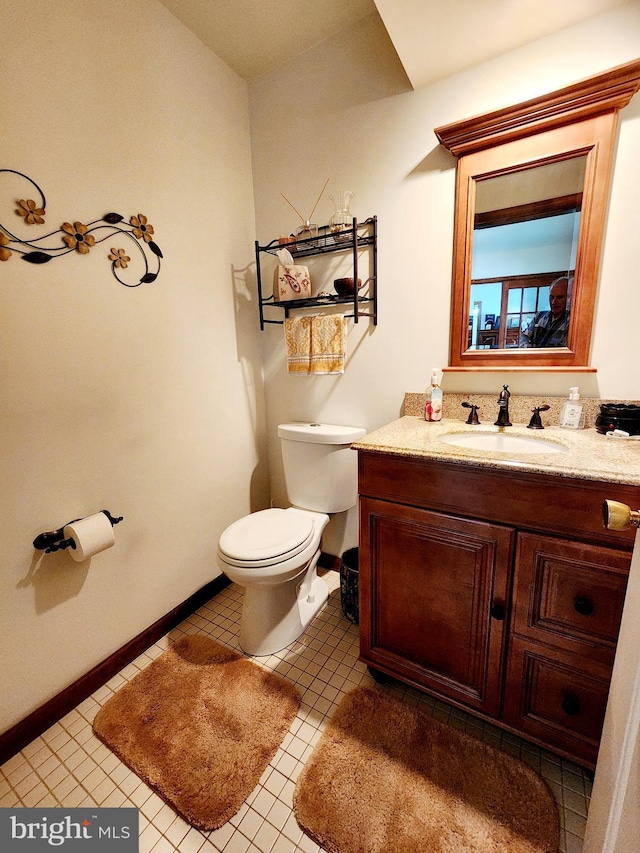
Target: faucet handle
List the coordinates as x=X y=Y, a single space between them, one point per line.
x=473 y=414
x=536 y=420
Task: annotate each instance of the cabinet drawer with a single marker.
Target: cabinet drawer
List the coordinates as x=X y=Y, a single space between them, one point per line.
x=554 y=700
x=568 y=594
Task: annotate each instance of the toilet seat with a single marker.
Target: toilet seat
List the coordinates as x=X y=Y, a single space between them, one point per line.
x=266 y=537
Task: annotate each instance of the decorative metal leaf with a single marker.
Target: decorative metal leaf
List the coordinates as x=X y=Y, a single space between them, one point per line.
x=155 y=248
x=112 y=218
x=148 y=278
x=36 y=257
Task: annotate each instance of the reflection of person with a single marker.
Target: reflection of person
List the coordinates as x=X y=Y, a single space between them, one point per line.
x=550 y=328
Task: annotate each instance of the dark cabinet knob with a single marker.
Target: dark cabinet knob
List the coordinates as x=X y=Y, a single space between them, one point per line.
x=571 y=704
x=583 y=606
x=498 y=612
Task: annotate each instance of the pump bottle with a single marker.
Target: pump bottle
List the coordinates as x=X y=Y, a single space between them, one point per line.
x=572 y=414
x=433 y=404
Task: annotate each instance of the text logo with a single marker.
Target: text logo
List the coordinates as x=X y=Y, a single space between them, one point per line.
x=82 y=830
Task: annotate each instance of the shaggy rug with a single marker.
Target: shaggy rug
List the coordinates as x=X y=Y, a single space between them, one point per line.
x=199 y=725
x=386 y=776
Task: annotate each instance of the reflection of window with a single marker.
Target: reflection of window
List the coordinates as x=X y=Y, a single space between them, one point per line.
x=512 y=302
x=523 y=303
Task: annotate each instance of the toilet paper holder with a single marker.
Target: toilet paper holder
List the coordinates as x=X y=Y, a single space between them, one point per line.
x=53 y=540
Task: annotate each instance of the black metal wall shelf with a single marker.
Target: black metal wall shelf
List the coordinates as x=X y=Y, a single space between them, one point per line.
x=363 y=234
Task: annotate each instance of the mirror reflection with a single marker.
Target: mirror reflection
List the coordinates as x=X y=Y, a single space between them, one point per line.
x=526 y=229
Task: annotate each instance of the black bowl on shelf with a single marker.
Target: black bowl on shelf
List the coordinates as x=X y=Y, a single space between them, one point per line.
x=344 y=286
x=623 y=416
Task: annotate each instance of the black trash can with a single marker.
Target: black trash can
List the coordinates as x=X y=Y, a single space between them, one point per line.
x=349 y=584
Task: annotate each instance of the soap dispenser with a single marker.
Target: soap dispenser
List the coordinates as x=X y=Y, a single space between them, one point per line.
x=572 y=414
x=433 y=404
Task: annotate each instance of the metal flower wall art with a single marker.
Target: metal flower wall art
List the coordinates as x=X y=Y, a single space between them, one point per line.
x=123 y=238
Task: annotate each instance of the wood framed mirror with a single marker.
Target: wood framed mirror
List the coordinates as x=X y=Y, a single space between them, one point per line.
x=532 y=189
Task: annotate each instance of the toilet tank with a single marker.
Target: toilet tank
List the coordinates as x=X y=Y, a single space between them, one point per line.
x=320 y=469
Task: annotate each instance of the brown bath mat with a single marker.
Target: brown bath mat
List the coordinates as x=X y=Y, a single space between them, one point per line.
x=199 y=725
x=386 y=777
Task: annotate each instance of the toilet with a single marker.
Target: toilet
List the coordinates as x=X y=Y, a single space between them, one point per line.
x=274 y=553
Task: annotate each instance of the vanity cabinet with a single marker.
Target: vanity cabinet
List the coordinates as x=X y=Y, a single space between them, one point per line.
x=496 y=590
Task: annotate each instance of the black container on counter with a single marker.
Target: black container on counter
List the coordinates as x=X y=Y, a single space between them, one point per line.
x=623 y=416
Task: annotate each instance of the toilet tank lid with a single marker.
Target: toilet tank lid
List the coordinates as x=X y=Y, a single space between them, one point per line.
x=315 y=433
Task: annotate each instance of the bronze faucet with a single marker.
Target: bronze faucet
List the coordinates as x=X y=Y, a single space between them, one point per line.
x=503 y=411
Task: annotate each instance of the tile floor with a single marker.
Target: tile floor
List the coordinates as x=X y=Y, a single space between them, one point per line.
x=68 y=766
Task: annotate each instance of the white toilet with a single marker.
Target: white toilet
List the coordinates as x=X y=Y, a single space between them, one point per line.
x=273 y=553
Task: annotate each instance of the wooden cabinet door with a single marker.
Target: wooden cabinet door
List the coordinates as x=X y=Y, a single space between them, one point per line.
x=433 y=600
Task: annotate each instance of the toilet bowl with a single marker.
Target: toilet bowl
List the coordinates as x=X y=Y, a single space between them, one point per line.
x=274 y=553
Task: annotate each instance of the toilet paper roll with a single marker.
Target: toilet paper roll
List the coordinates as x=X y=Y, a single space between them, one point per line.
x=91 y=535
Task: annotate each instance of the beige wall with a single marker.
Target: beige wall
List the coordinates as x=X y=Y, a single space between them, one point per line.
x=341 y=112
x=145 y=401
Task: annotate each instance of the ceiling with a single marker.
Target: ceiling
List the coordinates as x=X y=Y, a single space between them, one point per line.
x=433 y=38
x=255 y=37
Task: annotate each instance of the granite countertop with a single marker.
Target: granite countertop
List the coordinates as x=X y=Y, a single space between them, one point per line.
x=587 y=454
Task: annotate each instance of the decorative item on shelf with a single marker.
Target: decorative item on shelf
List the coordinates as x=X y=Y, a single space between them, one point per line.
x=344 y=286
x=341 y=221
x=290 y=281
x=307 y=230
x=78 y=237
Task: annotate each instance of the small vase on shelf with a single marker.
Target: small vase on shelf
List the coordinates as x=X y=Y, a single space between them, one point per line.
x=341 y=223
x=306 y=232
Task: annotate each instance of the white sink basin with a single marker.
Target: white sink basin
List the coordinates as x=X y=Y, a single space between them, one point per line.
x=501 y=442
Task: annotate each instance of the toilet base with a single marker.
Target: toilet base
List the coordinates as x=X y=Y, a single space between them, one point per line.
x=275 y=616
